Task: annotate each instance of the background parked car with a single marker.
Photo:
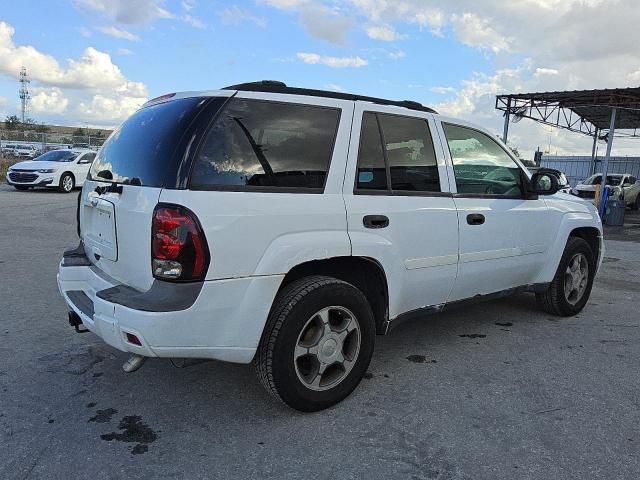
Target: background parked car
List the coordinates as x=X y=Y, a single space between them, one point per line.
x=28 y=151
x=624 y=185
x=63 y=169
x=8 y=149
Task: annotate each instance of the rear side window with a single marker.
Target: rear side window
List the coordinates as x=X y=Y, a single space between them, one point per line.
x=142 y=150
x=372 y=172
x=257 y=145
x=396 y=152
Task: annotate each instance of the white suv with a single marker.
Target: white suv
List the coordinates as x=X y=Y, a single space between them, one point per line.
x=286 y=227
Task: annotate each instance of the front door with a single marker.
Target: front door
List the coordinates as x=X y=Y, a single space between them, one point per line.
x=399 y=207
x=503 y=235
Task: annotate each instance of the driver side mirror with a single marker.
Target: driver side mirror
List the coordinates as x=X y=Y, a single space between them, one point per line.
x=543 y=183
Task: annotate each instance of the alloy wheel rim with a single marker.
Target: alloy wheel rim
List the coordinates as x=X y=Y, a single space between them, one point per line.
x=327 y=348
x=67 y=183
x=576 y=278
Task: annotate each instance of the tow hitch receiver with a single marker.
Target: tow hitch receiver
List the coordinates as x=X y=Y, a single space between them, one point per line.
x=75 y=321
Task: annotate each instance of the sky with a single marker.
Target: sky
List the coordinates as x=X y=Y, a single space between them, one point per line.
x=94 y=62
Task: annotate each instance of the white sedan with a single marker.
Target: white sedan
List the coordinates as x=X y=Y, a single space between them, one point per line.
x=617 y=181
x=62 y=169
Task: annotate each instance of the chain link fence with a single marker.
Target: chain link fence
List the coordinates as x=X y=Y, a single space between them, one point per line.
x=43 y=142
x=17 y=145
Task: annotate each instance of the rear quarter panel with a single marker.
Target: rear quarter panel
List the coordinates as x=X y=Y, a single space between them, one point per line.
x=268 y=233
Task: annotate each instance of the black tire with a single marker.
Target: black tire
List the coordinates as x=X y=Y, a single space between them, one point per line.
x=636 y=205
x=67 y=183
x=554 y=300
x=22 y=188
x=292 y=309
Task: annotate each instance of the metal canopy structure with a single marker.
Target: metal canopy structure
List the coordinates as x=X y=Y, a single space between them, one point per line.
x=605 y=114
x=581 y=111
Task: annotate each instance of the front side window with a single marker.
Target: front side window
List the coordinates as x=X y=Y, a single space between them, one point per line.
x=255 y=144
x=396 y=153
x=480 y=165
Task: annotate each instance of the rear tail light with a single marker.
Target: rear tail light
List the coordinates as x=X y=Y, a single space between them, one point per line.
x=178 y=246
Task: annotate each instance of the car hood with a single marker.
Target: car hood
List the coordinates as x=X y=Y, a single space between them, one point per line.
x=586 y=188
x=36 y=165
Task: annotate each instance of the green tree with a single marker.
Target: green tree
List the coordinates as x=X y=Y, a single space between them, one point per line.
x=12 y=122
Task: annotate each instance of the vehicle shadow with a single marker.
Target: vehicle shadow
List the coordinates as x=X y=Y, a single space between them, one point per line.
x=212 y=387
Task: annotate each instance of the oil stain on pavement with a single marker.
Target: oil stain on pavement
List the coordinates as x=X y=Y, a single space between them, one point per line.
x=421 y=359
x=133 y=431
x=103 y=416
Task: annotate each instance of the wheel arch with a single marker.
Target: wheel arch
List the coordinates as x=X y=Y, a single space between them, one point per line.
x=364 y=273
x=573 y=225
x=589 y=234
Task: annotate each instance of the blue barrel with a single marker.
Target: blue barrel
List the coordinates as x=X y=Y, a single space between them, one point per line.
x=614 y=212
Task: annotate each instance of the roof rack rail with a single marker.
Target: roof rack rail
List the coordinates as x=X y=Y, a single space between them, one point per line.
x=275 y=86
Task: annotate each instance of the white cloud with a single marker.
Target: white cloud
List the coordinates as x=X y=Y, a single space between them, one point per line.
x=326 y=24
x=476 y=31
x=321 y=21
x=545 y=71
x=235 y=15
x=442 y=90
x=93 y=79
x=50 y=101
x=119 y=33
x=193 y=21
x=334 y=62
x=127 y=11
x=188 y=5
x=384 y=33
x=124 y=51
x=397 y=55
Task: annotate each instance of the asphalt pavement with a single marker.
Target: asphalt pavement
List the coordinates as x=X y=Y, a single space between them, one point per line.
x=498 y=390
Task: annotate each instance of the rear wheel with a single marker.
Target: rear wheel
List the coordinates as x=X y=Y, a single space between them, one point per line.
x=570 y=289
x=636 y=205
x=317 y=343
x=66 y=183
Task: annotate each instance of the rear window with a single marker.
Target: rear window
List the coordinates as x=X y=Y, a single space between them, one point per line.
x=142 y=151
x=258 y=145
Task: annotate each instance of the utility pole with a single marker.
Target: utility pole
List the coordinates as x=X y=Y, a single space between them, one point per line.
x=23 y=93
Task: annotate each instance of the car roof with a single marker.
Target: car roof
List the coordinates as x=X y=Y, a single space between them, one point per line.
x=272 y=86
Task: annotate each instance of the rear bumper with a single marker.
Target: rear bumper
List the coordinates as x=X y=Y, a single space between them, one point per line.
x=224 y=322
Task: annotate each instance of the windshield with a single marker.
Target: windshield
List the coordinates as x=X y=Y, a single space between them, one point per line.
x=58 y=156
x=142 y=151
x=614 y=180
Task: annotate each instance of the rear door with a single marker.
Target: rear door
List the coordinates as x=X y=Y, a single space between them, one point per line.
x=400 y=211
x=504 y=236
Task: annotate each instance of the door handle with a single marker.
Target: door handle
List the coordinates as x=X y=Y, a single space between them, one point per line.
x=475 y=219
x=375 y=221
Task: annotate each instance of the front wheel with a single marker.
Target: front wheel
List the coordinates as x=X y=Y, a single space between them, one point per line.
x=570 y=289
x=66 y=183
x=317 y=343
x=636 y=205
